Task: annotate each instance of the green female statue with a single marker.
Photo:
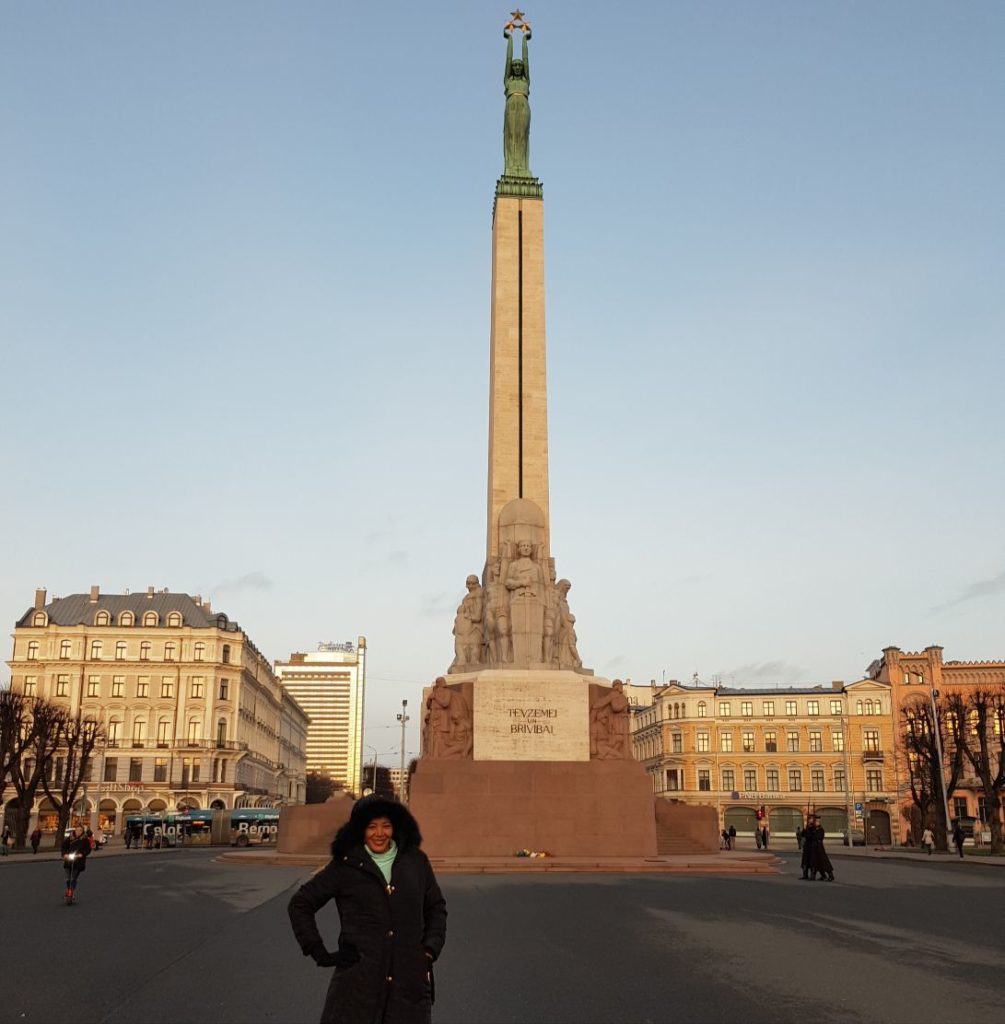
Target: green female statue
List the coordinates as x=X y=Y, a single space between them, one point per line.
x=516 y=123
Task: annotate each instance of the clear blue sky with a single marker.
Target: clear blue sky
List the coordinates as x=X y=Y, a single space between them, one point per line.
x=244 y=287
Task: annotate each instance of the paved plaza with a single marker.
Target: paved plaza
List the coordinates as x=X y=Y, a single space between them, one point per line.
x=176 y=936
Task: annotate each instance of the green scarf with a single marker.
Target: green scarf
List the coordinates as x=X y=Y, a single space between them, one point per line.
x=384 y=860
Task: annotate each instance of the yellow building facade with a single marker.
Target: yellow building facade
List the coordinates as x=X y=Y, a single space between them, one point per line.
x=192 y=713
x=779 y=753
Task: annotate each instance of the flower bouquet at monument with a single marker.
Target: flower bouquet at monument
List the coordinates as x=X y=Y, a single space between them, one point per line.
x=533 y=853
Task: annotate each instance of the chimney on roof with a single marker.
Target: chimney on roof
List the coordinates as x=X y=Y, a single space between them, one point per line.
x=206 y=608
x=198 y=600
x=150 y=591
x=40 y=598
x=95 y=590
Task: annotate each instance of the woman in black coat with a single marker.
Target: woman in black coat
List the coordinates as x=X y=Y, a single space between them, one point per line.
x=393 y=919
x=76 y=847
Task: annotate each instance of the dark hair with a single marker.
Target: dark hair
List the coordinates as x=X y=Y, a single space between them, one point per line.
x=406 y=828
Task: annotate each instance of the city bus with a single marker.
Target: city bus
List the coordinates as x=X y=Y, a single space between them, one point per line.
x=244 y=826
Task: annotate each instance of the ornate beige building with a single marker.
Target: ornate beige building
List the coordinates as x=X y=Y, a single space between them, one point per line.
x=785 y=751
x=330 y=685
x=192 y=711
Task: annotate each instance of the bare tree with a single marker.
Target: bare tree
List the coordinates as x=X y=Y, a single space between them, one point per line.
x=15 y=732
x=925 y=770
x=977 y=719
x=77 y=740
x=44 y=728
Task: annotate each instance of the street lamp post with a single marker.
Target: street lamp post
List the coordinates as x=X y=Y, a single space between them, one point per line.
x=933 y=694
x=403 y=718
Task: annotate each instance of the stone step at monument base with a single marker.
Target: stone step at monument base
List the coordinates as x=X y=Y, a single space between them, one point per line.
x=491 y=809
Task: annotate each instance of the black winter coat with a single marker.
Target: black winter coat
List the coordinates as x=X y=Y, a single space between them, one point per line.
x=81 y=847
x=391 y=926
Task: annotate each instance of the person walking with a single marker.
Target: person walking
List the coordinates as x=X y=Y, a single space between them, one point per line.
x=392 y=915
x=820 y=863
x=732 y=837
x=5 y=840
x=958 y=838
x=807 y=847
x=35 y=839
x=799 y=838
x=927 y=841
x=764 y=835
x=76 y=849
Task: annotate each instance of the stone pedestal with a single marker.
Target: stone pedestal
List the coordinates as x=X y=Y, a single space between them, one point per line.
x=569 y=809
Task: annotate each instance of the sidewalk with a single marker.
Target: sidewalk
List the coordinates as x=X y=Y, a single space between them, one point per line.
x=115 y=848
x=911 y=853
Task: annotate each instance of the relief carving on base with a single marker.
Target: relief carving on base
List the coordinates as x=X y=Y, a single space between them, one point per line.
x=609 y=723
x=447 y=730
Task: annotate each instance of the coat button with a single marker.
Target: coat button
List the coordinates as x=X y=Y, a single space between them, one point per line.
x=389 y=978
x=390 y=933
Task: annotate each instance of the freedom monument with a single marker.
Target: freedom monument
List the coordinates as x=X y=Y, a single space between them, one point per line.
x=522 y=746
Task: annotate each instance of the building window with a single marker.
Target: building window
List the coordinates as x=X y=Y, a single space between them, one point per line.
x=145 y=650
x=746 y=708
x=174 y=619
x=169 y=651
x=792 y=742
x=197 y=685
x=161 y=770
x=126 y=619
x=118 y=686
x=982 y=809
x=839 y=778
x=673 y=780
x=858 y=707
x=95 y=650
x=677 y=743
x=726 y=742
x=62 y=686
x=960 y=807
x=199 y=651
x=114 y=732
x=139 y=732
x=223 y=771
x=58 y=778
x=813 y=707
x=724 y=709
x=94 y=686
x=771 y=741
x=750 y=779
x=791 y=707
x=143 y=686
x=33 y=650
x=111 y=769
x=136 y=769
x=224 y=689
x=149 y=618
x=817 y=780
x=769 y=708
x=221 y=732
x=747 y=740
x=816 y=741
x=835 y=707
x=167 y=687
x=703 y=745
x=120 y=650
x=64 y=649
x=795 y=780
x=189 y=770
x=728 y=780
x=837 y=740
x=874 y=780
x=30 y=685
x=704 y=780
x=163 y=732
x=771 y=782
x=193 y=732
x=226 y=654
x=870 y=740
x=39 y=619
x=702 y=707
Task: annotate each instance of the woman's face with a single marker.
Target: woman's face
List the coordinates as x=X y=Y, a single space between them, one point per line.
x=378 y=835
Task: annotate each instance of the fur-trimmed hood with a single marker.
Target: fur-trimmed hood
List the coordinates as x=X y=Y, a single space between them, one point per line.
x=406 y=829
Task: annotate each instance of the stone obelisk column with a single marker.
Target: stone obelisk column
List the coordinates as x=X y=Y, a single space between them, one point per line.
x=518 y=399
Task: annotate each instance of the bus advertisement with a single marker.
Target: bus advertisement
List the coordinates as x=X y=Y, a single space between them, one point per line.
x=244 y=826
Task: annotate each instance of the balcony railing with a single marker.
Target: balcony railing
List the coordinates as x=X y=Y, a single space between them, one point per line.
x=181 y=744
x=873 y=755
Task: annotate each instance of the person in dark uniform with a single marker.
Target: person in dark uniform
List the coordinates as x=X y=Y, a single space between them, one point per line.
x=820 y=863
x=392 y=915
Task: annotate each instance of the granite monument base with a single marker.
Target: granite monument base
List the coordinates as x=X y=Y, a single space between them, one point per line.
x=567 y=808
x=310 y=828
